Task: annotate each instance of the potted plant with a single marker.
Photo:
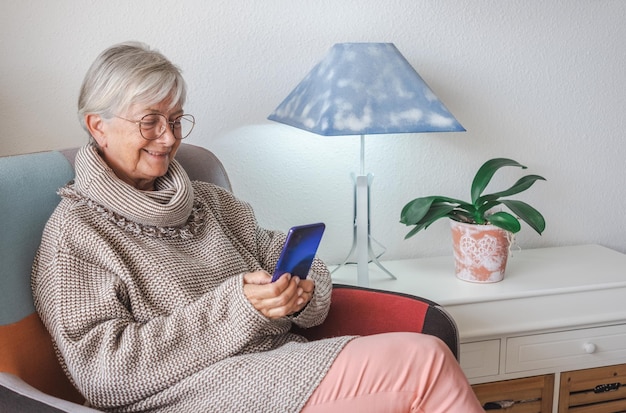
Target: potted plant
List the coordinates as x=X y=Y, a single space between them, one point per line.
x=479 y=228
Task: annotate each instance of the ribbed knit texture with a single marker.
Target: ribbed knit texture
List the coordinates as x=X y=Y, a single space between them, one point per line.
x=170 y=205
x=143 y=296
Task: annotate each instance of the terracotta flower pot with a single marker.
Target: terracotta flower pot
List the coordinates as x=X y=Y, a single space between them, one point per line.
x=480 y=251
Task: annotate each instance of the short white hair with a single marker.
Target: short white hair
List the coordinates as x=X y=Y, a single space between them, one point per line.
x=126 y=74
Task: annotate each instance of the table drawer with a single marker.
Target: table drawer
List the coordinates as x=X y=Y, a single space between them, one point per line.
x=565 y=348
x=526 y=395
x=480 y=358
x=596 y=390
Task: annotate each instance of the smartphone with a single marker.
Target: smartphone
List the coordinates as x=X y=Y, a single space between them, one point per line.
x=299 y=250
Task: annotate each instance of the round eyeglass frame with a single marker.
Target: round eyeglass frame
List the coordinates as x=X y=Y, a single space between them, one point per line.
x=188 y=117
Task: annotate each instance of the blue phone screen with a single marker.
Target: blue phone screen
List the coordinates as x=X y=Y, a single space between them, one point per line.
x=299 y=250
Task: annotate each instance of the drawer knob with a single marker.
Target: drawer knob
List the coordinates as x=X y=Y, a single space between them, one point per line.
x=589 y=348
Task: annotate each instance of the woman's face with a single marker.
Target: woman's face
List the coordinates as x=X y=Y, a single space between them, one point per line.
x=135 y=160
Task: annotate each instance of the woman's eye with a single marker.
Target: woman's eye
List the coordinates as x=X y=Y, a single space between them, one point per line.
x=148 y=124
x=150 y=121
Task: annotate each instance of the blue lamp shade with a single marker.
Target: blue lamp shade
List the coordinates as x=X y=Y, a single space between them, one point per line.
x=363 y=89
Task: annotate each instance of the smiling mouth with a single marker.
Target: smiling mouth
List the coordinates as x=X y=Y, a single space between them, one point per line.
x=159 y=154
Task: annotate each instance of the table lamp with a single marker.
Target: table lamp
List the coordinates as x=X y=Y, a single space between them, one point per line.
x=363 y=89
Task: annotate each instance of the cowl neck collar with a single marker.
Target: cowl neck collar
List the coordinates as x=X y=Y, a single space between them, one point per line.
x=169 y=205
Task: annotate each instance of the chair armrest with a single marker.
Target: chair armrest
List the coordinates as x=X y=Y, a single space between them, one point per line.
x=17 y=396
x=365 y=311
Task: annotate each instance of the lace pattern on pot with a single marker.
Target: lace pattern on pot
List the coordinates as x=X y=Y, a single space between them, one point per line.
x=188 y=230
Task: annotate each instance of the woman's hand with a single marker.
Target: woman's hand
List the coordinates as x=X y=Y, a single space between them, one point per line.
x=285 y=296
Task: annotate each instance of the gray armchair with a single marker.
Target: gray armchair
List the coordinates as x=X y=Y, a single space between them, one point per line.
x=31 y=379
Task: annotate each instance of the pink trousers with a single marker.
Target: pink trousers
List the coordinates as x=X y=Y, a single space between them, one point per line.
x=394 y=372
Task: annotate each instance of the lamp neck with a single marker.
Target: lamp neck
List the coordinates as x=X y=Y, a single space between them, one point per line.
x=362 y=154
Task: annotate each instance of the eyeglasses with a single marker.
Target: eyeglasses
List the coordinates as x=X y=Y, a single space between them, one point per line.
x=153 y=125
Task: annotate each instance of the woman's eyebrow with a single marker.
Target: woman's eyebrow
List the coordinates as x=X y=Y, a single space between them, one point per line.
x=152 y=110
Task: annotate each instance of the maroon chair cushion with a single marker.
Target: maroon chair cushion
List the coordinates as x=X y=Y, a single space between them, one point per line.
x=364 y=311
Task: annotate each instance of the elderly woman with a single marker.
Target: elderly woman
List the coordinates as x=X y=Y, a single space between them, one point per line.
x=156 y=292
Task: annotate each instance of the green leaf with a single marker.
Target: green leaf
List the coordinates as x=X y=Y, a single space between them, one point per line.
x=485 y=207
x=527 y=214
x=436 y=212
x=521 y=185
x=486 y=172
x=505 y=221
x=413 y=232
x=416 y=209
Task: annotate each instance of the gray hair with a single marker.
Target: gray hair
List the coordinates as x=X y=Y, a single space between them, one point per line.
x=125 y=74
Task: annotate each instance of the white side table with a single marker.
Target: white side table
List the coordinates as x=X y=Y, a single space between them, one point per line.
x=557 y=309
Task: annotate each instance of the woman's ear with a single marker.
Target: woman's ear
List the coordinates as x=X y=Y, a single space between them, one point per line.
x=95 y=125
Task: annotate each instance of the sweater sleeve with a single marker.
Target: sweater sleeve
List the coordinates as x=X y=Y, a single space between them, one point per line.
x=266 y=246
x=270 y=243
x=112 y=357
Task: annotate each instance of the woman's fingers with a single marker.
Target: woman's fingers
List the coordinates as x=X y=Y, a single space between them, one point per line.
x=273 y=300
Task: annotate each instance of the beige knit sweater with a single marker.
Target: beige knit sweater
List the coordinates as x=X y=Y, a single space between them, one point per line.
x=142 y=293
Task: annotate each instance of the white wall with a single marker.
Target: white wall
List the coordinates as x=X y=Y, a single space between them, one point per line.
x=539 y=81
